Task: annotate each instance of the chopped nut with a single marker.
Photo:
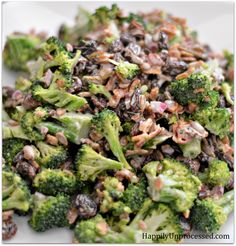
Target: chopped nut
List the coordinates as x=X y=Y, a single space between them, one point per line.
x=51 y=139
x=61 y=138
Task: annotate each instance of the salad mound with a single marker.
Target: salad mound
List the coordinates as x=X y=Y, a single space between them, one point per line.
x=119 y=127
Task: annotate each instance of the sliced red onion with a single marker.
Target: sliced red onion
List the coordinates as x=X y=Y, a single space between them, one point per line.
x=158 y=107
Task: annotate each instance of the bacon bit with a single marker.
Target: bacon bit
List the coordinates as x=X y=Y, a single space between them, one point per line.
x=60 y=83
x=48 y=57
x=34 y=164
x=192 y=107
x=51 y=139
x=184 y=132
x=120 y=187
x=182 y=76
x=186 y=214
x=141 y=139
x=198 y=90
x=133 y=86
x=60 y=111
x=136 y=117
x=100 y=56
x=153 y=93
x=61 y=138
x=142 y=225
x=137 y=152
x=158 y=184
x=126 y=174
x=85 y=94
x=102 y=227
x=118 y=94
x=153 y=70
x=186 y=53
x=172 y=106
x=155 y=59
x=146 y=125
x=169 y=29
x=111 y=83
x=189 y=59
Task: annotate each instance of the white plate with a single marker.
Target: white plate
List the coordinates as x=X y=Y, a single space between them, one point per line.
x=212 y=20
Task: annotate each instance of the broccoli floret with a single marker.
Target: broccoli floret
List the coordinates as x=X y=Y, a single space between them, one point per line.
x=135 y=195
x=55 y=181
x=217 y=174
x=10 y=148
x=19 y=49
x=62 y=59
x=208 y=215
x=90 y=164
x=157 y=218
x=217 y=120
x=171 y=182
x=51 y=156
x=58 y=97
x=104 y=15
x=16 y=113
x=108 y=124
x=73 y=125
x=126 y=69
x=113 y=191
x=22 y=84
x=96 y=230
x=230 y=58
x=226 y=89
x=29 y=121
x=15 y=192
x=193 y=89
x=49 y=212
x=9 y=131
x=99 y=89
x=210 y=100
x=192 y=149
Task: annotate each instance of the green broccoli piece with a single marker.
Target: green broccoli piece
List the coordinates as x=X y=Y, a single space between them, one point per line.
x=193 y=89
x=230 y=58
x=157 y=218
x=90 y=164
x=9 y=131
x=126 y=69
x=113 y=191
x=217 y=120
x=10 y=148
x=29 y=121
x=171 y=182
x=22 y=84
x=135 y=195
x=49 y=212
x=108 y=124
x=15 y=192
x=208 y=215
x=55 y=181
x=99 y=89
x=19 y=49
x=192 y=149
x=96 y=230
x=226 y=89
x=211 y=100
x=16 y=113
x=217 y=174
x=73 y=125
x=51 y=156
x=58 y=97
x=62 y=59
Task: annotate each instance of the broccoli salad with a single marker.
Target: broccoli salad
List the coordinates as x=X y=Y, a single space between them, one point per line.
x=120 y=126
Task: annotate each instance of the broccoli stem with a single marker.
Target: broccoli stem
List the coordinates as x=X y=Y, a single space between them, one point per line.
x=54 y=128
x=227 y=202
x=116 y=147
